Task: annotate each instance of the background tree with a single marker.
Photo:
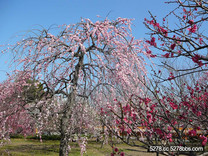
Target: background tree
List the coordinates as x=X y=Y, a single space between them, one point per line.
x=34 y=91
x=14 y=117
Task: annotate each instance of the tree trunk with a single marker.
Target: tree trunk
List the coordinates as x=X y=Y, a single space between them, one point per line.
x=65 y=129
x=63 y=149
x=65 y=132
x=65 y=135
x=65 y=125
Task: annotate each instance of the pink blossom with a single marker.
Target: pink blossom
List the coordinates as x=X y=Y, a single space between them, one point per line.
x=125 y=119
x=164 y=31
x=134 y=117
x=199 y=113
x=200 y=40
x=149 y=52
x=158 y=131
x=193 y=28
x=171 y=76
x=117 y=122
x=153 y=55
x=172 y=46
x=190 y=22
x=152 y=42
x=129 y=131
x=173 y=105
x=192 y=132
x=116 y=149
x=196 y=58
x=166 y=55
x=175 y=122
x=149 y=117
x=204 y=140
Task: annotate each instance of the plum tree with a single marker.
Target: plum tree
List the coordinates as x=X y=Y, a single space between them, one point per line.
x=181 y=34
x=81 y=59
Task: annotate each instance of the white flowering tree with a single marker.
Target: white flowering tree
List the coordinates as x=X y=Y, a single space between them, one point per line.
x=81 y=59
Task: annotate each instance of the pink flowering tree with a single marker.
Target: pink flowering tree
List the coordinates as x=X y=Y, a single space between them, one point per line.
x=164 y=117
x=26 y=109
x=25 y=106
x=78 y=61
x=182 y=33
x=14 y=117
x=174 y=115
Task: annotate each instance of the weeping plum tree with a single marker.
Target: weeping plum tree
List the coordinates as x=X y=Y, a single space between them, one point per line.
x=79 y=59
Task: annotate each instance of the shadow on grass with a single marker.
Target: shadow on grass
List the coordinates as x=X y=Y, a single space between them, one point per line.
x=32 y=149
x=50 y=148
x=135 y=150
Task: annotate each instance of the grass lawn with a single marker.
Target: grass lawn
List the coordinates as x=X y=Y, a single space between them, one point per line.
x=30 y=147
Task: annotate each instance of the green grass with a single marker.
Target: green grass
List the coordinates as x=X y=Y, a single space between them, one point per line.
x=21 y=147
x=31 y=147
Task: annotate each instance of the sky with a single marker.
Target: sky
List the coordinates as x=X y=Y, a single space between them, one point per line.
x=19 y=16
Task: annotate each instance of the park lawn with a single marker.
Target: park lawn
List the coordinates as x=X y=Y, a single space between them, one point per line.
x=31 y=147
x=26 y=147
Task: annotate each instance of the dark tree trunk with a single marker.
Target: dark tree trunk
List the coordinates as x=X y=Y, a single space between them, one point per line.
x=65 y=133
x=64 y=127
x=63 y=149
